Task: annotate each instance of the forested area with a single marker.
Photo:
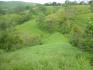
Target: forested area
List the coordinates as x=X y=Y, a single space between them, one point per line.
x=50 y=36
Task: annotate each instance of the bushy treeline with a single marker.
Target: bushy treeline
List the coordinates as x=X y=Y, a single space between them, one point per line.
x=67 y=1
x=8 y=38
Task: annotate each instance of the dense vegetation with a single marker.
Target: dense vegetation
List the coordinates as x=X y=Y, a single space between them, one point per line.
x=52 y=36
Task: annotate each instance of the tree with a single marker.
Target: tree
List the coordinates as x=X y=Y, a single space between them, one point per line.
x=91 y=5
x=82 y=3
x=88 y=42
x=2 y=10
x=54 y=3
x=69 y=15
x=9 y=39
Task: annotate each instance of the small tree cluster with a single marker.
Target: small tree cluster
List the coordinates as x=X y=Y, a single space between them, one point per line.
x=9 y=39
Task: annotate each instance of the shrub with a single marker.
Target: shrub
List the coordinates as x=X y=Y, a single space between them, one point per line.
x=32 y=40
x=55 y=22
x=23 y=17
x=82 y=37
x=10 y=41
x=89 y=37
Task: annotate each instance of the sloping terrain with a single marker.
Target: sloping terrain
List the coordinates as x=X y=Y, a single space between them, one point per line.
x=59 y=56
x=50 y=51
x=54 y=54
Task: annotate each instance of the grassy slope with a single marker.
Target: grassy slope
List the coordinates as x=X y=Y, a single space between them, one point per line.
x=61 y=56
x=55 y=54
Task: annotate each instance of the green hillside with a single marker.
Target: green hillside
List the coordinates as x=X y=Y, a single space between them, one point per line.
x=56 y=53
x=54 y=56
x=46 y=37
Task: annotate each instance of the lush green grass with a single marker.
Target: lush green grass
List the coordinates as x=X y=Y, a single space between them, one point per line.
x=29 y=27
x=55 y=54
x=59 y=56
x=55 y=38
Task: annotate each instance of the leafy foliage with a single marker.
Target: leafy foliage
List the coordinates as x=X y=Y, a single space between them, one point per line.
x=8 y=39
x=50 y=31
